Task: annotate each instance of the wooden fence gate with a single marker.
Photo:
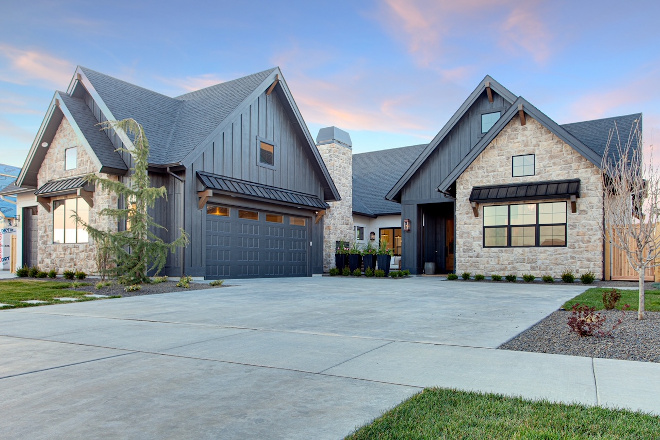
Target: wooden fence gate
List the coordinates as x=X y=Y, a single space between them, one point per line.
x=618 y=268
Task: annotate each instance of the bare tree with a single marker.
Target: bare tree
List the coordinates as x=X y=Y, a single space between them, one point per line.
x=631 y=195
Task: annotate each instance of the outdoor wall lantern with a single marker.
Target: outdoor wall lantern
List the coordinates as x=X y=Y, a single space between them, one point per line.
x=406 y=225
x=372 y=235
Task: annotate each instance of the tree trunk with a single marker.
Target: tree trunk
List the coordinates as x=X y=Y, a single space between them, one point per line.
x=640 y=309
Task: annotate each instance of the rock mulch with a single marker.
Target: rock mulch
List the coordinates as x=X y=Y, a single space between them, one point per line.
x=633 y=340
x=147 y=289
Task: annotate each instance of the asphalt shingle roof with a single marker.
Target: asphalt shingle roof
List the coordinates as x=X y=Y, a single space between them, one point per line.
x=98 y=140
x=375 y=173
x=174 y=126
x=594 y=134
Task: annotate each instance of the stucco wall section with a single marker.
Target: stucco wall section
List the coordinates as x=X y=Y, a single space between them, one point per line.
x=338 y=220
x=555 y=160
x=67 y=256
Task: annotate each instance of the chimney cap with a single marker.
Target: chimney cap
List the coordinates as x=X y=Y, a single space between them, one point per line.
x=329 y=135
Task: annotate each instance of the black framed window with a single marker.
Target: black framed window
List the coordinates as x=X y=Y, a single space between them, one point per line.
x=524 y=165
x=488 y=120
x=393 y=238
x=525 y=225
x=65 y=227
x=359 y=232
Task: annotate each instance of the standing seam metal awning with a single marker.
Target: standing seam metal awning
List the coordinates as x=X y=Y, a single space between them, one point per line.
x=553 y=189
x=257 y=190
x=63 y=186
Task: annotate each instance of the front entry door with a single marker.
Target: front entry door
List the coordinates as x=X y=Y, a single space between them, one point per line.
x=449 y=245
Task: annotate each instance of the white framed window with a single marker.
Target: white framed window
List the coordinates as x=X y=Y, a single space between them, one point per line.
x=70 y=158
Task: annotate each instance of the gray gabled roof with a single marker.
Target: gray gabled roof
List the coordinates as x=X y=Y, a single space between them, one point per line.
x=558 y=130
x=494 y=85
x=374 y=173
x=595 y=133
x=97 y=139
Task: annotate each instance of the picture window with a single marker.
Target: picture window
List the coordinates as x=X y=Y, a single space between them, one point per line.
x=525 y=225
x=65 y=227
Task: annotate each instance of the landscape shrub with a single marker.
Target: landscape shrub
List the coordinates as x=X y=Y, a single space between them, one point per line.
x=369 y=272
x=479 y=277
x=52 y=273
x=511 y=278
x=158 y=280
x=132 y=288
x=586 y=322
x=405 y=273
x=33 y=271
x=611 y=298
x=334 y=272
x=379 y=273
x=394 y=274
x=346 y=272
x=357 y=272
x=216 y=283
x=465 y=275
x=22 y=271
x=568 y=277
x=587 y=278
x=496 y=277
x=452 y=276
x=184 y=281
x=42 y=274
x=80 y=275
x=69 y=274
x=102 y=284
x=76 y=284
x=548 y=279
x=528 y=277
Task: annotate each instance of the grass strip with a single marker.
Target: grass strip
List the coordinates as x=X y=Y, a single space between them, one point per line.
x=13 y=292
x=449 y=414
x=594 y=298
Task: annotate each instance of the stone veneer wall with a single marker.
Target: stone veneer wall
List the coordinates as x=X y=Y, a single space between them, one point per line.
x=338 y=219
x=65 y=256
x=555 y=160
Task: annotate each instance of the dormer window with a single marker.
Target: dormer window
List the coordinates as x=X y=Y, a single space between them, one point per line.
x=488 y=120
x=70 y=159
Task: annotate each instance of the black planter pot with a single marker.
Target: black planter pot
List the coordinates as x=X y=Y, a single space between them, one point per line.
x=384 y=263
x=354 y=261
x=340 y=261
x=369 y=262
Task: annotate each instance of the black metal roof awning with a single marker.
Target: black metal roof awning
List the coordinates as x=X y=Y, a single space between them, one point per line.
x=259 y=191
x=64 y=186
x=553 y=189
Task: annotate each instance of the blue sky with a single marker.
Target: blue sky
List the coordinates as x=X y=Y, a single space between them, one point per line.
x=391 y=73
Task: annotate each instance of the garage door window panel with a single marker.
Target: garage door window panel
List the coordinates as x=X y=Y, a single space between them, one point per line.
x=248 y=215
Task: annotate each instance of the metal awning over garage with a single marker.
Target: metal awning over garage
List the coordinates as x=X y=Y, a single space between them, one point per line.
x=228 y=185
x=553 y=189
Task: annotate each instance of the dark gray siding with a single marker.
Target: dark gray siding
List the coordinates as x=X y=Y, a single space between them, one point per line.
x=452 y=149
x=233 y=153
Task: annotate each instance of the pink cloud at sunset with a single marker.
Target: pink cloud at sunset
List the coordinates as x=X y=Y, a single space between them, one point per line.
x=24 y=66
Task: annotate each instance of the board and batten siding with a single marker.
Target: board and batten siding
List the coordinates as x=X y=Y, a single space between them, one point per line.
x=233 y=153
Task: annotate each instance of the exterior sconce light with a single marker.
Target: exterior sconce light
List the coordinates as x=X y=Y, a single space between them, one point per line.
x=372 y=235
x=406 y=225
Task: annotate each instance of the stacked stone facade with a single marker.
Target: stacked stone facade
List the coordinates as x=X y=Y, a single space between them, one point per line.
x=338 y=219
x=70 y=256
x=555 y=160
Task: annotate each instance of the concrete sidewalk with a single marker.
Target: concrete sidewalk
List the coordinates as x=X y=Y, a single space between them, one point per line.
x=304 y=358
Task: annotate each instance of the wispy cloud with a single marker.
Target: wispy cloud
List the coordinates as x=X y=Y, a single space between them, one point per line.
x=430 y=28
x=34 y=67
x=19 y=134
x=192 y=83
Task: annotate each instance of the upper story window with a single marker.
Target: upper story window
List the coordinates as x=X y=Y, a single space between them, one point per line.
x=523 y=165
x=65 y=227
x=488 y=120
x=266 y=154
x=70 y=159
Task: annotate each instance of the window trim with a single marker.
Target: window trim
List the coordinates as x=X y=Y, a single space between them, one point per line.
x=533 y=166
x=537 y=227
x=75 y=159
x=481 y=120
x=275 y=155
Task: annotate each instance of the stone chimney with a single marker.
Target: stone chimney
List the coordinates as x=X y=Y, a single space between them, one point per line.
x=336 y=150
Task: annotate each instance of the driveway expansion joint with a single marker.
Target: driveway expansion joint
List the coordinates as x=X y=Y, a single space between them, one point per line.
x=355 y=357
x=66 y=365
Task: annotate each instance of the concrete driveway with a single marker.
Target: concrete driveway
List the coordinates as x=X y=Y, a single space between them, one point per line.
x=280 y=359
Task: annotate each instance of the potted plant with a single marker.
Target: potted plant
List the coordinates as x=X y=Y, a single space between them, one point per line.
x=354 y=257
x=384 y=257
x=341 y=255
x=369 y=257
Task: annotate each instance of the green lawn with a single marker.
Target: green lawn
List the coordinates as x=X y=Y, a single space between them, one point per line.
x=448 y=414
x=594 y=298
x=14 y=291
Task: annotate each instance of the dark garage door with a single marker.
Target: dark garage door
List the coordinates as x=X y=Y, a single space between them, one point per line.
x=244 y=243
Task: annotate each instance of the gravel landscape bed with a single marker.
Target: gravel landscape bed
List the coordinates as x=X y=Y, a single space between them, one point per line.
x=118 y=289
x=633 y=340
